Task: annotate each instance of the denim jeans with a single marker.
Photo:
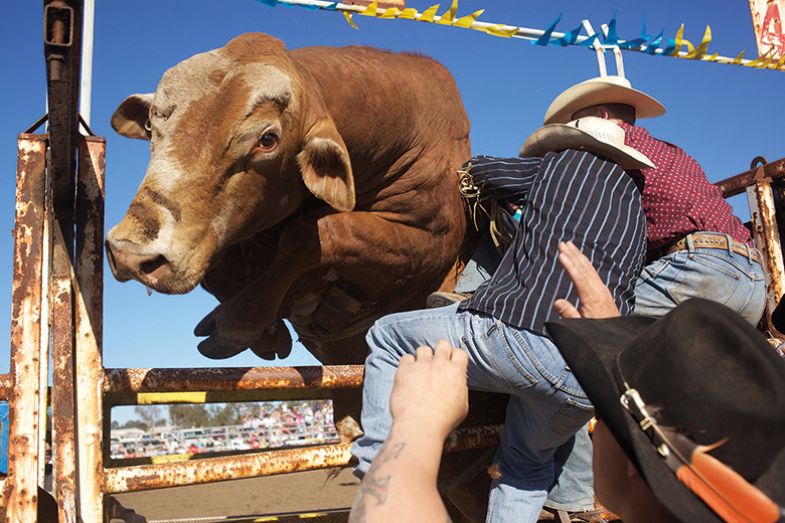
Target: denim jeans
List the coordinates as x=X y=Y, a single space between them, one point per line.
x=719 y=275
x=547 y=405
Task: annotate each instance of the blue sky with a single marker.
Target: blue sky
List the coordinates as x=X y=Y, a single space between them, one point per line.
x=722 y=115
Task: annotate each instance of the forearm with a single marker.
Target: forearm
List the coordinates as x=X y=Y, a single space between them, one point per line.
x=401 y=483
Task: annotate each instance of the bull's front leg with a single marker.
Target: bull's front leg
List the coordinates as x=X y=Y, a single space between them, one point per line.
x=378 y=254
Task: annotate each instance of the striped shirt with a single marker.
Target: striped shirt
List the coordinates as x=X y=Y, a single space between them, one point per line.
x=569 y=195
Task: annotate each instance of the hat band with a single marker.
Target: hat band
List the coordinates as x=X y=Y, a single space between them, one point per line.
x=725 y=491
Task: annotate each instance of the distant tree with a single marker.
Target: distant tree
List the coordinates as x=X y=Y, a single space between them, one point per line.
x=115 y=424
x=151 y=415
x=135 y=424
x=228 y=414
x=189 y=416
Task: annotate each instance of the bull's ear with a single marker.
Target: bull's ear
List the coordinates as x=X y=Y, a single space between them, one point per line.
x=130 y=118
x=325 y=166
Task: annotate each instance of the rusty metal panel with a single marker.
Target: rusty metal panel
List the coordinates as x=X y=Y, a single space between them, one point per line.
x=89 y=328
x=767 y=22
x=19 y=499
x=767 y=239
x=123 y=381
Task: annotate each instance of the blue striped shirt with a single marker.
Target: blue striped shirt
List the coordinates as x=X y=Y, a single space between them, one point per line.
x=569 y=195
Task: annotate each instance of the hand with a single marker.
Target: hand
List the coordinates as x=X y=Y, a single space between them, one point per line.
x=430 y=391
x=596 y=300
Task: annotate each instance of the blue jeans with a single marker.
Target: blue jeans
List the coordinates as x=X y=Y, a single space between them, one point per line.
x=726 y=277
x=547 y=405
x=719 y=275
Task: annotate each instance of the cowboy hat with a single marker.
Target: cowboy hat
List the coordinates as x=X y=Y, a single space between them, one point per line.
x=601 y=90
x=701 y=369
x=586 y=134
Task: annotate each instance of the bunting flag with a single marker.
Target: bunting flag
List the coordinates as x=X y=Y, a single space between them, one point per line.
x=676 y=47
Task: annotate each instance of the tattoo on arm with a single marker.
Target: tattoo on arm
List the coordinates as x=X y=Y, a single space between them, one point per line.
x=375 y=485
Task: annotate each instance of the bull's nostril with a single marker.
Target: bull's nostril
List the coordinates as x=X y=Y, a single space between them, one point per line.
x=146 y=267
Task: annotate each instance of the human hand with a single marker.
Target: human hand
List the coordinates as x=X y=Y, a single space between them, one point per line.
x=596 y=300
x=430 y=391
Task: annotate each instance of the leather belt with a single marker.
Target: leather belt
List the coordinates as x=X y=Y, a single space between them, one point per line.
x=715 y=241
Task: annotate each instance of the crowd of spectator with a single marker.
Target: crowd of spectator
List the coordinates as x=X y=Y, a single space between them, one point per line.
x=263 y=425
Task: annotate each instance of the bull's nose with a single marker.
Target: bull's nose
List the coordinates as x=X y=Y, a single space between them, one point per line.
x=126 y=262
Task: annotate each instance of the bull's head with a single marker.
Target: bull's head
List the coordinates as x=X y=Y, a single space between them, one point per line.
x=238 y=136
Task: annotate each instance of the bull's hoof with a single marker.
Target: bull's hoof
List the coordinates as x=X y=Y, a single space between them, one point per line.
x=275 y=341
x=216 y=347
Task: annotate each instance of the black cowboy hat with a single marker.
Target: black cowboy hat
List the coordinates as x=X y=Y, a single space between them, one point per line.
x=701 y=370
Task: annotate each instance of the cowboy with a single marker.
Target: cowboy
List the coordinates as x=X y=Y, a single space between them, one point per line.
x=691 y=407
x=695 y=247
x=571 y=184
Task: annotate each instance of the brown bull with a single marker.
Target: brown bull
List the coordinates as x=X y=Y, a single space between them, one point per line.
x=316 y=185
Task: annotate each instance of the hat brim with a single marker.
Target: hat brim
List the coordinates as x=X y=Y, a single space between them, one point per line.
x=587 y=94
x=557 y=137
x=590 y=348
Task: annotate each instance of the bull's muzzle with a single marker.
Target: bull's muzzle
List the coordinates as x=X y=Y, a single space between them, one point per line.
x=127 y=262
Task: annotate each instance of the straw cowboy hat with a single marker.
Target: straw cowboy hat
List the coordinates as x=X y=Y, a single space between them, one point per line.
x=586 y=134
x=601 y=90
x=698 y=376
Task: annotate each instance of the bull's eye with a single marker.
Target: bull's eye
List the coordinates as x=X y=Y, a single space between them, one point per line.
x=148 y=126
x=268 y=141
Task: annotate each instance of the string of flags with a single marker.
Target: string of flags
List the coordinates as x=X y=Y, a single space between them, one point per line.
x=656 y=45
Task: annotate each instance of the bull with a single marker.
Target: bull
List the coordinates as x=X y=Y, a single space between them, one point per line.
x=316 y=185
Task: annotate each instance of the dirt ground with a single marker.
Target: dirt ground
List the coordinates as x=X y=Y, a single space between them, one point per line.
x=312 y=491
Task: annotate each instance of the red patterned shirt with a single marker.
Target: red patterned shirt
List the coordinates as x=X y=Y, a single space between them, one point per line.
x=678 y=199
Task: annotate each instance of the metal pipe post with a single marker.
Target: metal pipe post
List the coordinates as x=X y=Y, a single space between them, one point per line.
x=21 y=486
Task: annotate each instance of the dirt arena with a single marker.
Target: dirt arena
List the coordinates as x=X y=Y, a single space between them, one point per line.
x=246 y=499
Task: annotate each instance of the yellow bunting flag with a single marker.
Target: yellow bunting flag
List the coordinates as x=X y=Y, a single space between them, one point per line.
x=780 y=63
x=428 y=14
x=390 y=12
x=371 y=10
x=499 y=30
x=680 y=41
x=739 y=58
x=348 y=16
x=468 y=20
x=448 y=16
x=410 y=13
x=703 y=47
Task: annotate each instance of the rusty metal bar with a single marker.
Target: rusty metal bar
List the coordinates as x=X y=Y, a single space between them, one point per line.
x=21 y=486
x=767 y=239
x=63 y=404
x=89 y=325
x=739 y=183
x=147 y=477
x=121 y=381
